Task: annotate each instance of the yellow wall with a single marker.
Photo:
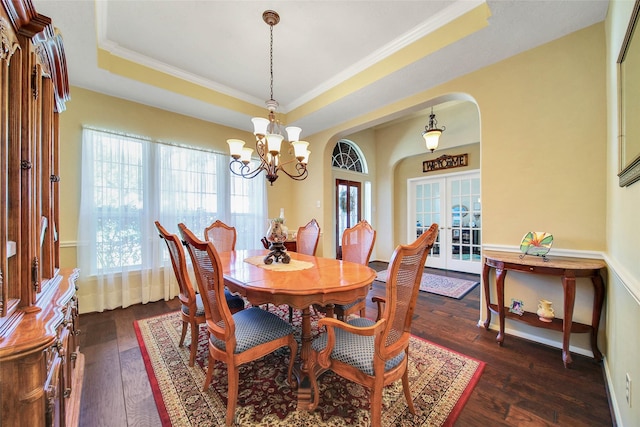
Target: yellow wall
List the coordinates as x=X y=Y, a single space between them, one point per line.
x=543 y=152
x=542 y=148
x=542 y=145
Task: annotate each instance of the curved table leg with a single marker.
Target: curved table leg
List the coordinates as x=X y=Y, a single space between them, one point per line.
x=569 y=285
x=487 y=293
x=500 y=275
x=598 y=299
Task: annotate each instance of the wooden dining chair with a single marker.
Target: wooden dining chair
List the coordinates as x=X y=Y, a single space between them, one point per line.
x=307 y=238
x=239 y=338
x=192 y=311
x=357 y=245
x=222 y=235
x=376 y=354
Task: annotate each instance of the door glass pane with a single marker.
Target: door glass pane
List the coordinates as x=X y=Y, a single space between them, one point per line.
x=455 y=188
x=465 y=219
x=354 y=214
x=342 y=208
x=428 y=211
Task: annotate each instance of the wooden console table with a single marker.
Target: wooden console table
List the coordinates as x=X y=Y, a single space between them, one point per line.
x=568 y=269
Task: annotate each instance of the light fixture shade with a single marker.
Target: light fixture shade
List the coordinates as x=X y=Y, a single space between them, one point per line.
x=245 y=156
x=293 y=133
x=260 y=125
x=235 y=147
x=300 y=148
x=305 y=159
x=431 y=138
x=274 y=141
x=432 y=132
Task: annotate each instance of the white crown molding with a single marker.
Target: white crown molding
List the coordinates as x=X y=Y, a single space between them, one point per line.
x=438 y=20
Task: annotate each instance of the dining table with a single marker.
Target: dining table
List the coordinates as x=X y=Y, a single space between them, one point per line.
x=303 y=282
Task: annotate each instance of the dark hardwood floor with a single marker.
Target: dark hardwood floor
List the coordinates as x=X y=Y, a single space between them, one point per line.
x=523 y=384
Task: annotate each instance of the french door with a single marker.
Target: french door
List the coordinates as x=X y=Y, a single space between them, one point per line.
x=348 y=208
x=452 y=202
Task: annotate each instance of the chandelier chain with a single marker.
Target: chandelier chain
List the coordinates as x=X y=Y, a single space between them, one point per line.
x=271 y=58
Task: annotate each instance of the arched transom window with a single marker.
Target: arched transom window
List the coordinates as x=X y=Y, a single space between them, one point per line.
x=346 y=155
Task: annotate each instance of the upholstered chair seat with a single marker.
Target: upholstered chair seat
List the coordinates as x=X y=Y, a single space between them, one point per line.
x=235 y=302
x=355 y=350
x=254 y=327
x=199 y=307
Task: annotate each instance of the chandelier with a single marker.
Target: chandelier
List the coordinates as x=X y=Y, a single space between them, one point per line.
x=432 y=133
x=269 y=137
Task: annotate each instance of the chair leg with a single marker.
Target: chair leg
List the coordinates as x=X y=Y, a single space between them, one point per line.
x=195 y=332
x=376 y=406
x=407 y=390
x=293 y=354
x=207 y=379
x=185 y=324
x=313 y=380
x=232 y=392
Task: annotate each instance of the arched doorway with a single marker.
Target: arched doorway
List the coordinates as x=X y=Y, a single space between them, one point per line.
x=350 y=189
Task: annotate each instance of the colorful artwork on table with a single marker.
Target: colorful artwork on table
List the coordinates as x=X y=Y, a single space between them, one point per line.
x=536 y=243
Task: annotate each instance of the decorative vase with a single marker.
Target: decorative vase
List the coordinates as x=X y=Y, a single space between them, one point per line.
x=277 y=234
x=277 y=231
x=545 y=310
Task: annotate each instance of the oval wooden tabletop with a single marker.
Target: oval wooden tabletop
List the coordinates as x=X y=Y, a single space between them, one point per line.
x=327 y=279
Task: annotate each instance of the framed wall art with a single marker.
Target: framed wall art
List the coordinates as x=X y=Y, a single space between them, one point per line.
x=629 y=103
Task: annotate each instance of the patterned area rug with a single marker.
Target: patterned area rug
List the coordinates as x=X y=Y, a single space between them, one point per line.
x=441 y=382
x=440 y=285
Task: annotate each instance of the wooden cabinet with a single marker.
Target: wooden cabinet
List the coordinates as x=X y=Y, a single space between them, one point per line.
x=40 y=363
